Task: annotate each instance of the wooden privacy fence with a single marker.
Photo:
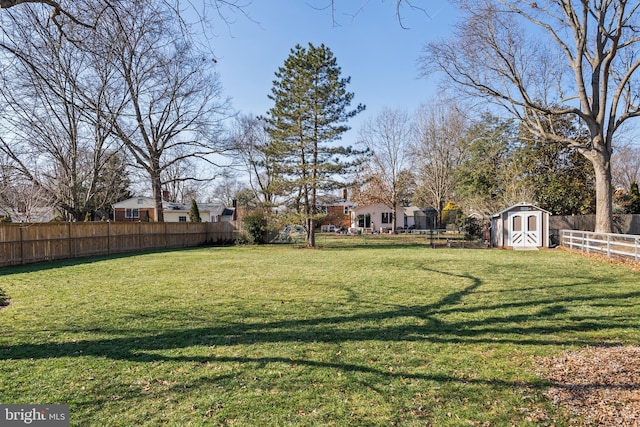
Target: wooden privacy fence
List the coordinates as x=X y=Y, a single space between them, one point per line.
x=622 y=245
x=623 y=224
x=28 y=243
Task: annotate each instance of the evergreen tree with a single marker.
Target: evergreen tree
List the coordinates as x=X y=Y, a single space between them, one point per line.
x=311 y=108
x=561 y=179
x=194 y=213
x=634 y=199
x=255 y=223
x=488 y=177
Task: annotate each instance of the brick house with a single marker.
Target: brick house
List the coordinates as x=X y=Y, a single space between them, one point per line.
x=337 y=210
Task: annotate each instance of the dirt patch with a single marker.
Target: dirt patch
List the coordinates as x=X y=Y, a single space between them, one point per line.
x=599 y=385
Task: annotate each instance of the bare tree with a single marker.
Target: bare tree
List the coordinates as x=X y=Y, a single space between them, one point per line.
x=22 y=199
x=174 y=108
x=626 y=165
x=551 y=58
x=147 y=86
x=88 y=13
x=400 y=6
x=437 y=150
x=181 y=181
x=387 y=137
x=227 y=190
x=73 y=12
x=252 y=147
x=57 y=144
x=19 y=198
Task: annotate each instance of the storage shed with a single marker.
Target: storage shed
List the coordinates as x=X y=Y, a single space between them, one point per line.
x=521 y=226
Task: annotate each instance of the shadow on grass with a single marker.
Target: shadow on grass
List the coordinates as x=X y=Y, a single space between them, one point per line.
x=426 y=245
x=69 y=262
x=411 y=323
x=519 y=329
x=377 y=380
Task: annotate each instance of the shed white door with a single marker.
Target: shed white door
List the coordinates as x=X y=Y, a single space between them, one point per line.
x=525 y=229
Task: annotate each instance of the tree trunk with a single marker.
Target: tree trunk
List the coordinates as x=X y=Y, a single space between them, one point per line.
x=156 y=185
x=311 y=233
x=394 y=203
x=604 y=204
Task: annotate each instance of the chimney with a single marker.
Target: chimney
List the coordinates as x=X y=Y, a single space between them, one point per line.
x=344 y=193
x=165 y=196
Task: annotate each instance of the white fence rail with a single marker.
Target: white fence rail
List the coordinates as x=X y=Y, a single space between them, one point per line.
x=622 y=245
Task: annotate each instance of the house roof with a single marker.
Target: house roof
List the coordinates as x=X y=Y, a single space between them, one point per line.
x=368 y=208
x=148 y=202
x=519 y=205
x=411 y=210
x=212 y=208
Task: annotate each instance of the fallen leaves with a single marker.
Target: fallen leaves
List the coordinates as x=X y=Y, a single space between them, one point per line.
x=600 y=385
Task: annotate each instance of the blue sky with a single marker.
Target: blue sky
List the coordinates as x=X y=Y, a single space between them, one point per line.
x=371 y=47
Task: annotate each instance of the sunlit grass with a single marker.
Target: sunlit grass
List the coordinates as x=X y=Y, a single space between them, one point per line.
x=363 y=331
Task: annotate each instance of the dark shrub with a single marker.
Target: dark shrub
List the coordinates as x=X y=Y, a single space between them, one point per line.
x=255 y=223
x=4 y=299
x=472 y=228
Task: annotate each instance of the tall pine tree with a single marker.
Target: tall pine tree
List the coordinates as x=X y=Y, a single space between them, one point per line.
x=310 y=112
x=194 y=212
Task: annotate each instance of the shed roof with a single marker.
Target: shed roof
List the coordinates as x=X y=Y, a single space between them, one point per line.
x=518 y=205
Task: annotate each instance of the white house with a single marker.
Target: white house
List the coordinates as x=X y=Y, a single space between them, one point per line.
x=209 y=212
x=409 y=215
x=378 y=218
x=143 y=209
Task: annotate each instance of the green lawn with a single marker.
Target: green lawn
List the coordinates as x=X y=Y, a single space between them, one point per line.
x=360 y=332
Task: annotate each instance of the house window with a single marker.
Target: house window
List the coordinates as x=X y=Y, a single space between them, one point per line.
x=346 y=210
x=386 y=217
x=182 y=219
x=132 y=213
x=140 y=201
x=364 y=221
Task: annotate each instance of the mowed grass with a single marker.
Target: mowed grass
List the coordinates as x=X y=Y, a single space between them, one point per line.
x=359 y=332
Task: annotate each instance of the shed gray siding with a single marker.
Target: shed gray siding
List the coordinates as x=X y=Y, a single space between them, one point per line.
x=501 y=233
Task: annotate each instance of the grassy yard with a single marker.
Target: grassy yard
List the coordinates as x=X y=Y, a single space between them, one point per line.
x=360 y=332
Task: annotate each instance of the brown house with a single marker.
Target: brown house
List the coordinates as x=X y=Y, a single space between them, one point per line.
x=337 y=210
x=338 y=216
